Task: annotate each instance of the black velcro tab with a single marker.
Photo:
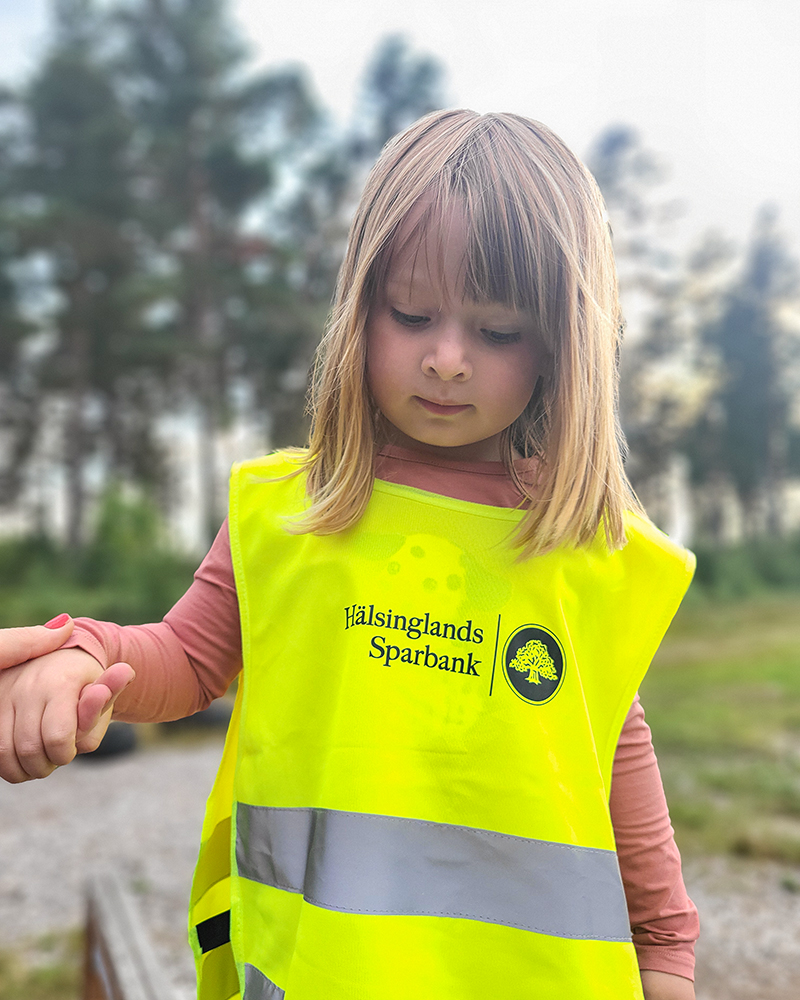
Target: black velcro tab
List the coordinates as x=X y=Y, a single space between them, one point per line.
x=214 y=932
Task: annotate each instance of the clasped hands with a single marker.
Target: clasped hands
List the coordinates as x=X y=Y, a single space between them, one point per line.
x=54 y=703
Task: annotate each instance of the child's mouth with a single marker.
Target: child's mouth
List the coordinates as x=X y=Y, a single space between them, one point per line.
x=442 y=409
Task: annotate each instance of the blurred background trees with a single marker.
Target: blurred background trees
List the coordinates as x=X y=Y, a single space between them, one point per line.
x=170 y=230
x=710 y=364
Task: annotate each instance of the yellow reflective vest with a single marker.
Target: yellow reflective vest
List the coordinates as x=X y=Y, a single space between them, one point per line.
x=413 y=796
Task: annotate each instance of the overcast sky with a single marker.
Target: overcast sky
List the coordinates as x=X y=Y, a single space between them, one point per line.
x=712 y=85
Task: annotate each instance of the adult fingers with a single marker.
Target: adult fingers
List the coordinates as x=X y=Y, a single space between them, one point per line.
x=29 y=744
x=10 y=768
x=60 y=724
x=20 y=644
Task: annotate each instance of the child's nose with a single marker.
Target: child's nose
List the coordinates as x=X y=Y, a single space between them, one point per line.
x=447 y=358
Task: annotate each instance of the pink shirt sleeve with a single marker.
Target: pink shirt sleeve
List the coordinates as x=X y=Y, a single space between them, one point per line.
x=663 y=919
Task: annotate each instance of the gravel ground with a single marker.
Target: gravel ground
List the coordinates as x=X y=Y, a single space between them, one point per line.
x=138 y=814
x=141 y=815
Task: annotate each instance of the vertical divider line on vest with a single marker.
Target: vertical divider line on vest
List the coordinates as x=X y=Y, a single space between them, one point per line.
x=118 y=959
x=494 y=658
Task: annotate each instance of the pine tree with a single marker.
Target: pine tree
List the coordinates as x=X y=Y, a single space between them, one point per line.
x=743 y=435
x=210 y=142
x=20 y=409
x=399 y=86
x=75 y=182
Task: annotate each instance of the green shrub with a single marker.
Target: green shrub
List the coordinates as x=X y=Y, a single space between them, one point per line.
x=127 y=573
x=749 y=568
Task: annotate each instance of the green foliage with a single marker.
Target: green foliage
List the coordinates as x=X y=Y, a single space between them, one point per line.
x=723 y=701
x=80 y=134
x=749 y=568
x=127 y=573
x=48 y=970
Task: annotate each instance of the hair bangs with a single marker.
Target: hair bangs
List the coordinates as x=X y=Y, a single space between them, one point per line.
x=505 y=260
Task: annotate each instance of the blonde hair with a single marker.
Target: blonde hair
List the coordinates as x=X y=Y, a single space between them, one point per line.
x=537 y=241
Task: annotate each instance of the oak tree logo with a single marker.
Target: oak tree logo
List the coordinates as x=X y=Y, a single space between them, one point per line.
x=534 y=664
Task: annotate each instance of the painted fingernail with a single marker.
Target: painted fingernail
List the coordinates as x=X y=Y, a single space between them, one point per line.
x=57 y=622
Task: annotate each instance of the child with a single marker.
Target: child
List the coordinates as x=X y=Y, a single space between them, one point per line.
x=446 y=604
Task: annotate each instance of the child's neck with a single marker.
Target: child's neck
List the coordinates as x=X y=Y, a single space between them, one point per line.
x=487 y=483
x=441 y=457
x=487 y=450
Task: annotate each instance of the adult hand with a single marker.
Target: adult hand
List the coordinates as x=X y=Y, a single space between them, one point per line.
x=20 y=644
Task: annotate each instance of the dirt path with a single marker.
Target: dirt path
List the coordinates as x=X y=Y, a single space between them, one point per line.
x=141 y=815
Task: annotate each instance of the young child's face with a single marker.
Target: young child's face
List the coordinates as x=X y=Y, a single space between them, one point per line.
x=448 y=374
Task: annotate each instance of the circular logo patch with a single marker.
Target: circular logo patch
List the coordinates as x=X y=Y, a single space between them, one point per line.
x=534 y=664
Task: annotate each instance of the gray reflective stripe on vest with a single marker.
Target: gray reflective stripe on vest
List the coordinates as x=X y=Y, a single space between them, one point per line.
x=363 y=863
x=258 y=987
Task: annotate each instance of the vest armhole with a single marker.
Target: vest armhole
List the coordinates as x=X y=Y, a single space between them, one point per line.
x=679 y=576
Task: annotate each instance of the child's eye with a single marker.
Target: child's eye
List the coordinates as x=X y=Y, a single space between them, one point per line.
x=406 y=319
x=501 y=338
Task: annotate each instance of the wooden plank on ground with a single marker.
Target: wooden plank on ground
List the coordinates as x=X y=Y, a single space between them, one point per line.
x=119 y=962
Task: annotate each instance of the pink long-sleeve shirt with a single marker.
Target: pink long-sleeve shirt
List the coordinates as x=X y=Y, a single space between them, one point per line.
x=191 y=657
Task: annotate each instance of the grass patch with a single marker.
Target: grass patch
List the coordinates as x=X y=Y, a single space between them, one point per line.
x=723 y=701
x=49 y=969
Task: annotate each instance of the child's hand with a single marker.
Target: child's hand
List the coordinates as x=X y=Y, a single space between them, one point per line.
x=663 y=986
x=52 y=707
